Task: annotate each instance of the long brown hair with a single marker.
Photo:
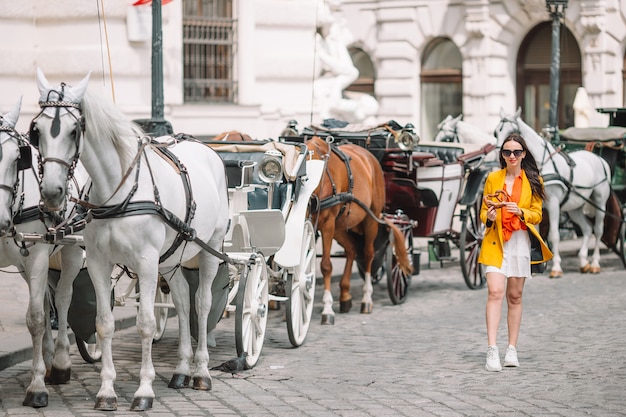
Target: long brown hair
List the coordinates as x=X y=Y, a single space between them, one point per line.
x=529 y=165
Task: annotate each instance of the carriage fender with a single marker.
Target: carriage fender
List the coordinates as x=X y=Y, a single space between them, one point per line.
x=289 y=255
x=474 y=185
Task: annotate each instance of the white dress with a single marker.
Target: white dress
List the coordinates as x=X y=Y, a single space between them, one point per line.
x=516 y=261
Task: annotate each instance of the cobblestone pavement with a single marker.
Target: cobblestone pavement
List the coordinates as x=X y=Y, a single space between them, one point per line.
x=423 y=358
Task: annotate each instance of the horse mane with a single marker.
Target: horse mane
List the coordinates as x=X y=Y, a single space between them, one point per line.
x=104 y=121
x=473 y=132
x=233 y=135
x=527 y=132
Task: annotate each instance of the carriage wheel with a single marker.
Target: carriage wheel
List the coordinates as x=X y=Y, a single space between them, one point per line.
x=251 y=311
x=301 y=290
x=398 y=282
x=470 y=240
x=89 y=350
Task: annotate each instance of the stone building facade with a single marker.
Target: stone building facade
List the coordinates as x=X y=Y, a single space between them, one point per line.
x=420 y=59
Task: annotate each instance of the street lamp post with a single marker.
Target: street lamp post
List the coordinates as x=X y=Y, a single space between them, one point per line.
x=556 y=8
x=157 y=125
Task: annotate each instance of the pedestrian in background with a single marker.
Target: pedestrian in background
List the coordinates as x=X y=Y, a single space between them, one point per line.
x=512 y=203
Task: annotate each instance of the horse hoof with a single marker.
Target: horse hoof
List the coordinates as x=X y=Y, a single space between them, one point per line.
x=366 y=308
x=585 y=269
x=59 y=376
x=36 y=399
x=202 y=383
x=179 y=381
x=328 y=319
x=345 y=306
x=141 y=404
x=556 y=274
x=595 y=269
x=106 y=404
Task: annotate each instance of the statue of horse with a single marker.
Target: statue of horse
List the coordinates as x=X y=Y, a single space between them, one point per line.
x=154 y=206
x=456 y=130
x=351 y=198
x=572 y=181
x=20 y=214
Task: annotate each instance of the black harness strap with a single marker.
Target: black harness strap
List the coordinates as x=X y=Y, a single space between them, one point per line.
x=345 y=197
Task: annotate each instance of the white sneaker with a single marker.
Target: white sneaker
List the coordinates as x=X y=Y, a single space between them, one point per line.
x=510 y=358
x=493 y=359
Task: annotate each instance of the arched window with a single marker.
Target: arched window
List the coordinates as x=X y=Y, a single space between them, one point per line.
x=533 y=76
x=367 y=72
x=441 y=85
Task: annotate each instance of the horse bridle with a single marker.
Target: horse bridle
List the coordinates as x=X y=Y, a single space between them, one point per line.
x=23 y=162
x=33 y=133
x=546 y=149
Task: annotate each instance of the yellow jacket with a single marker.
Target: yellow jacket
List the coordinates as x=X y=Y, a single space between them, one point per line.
x=491 y=252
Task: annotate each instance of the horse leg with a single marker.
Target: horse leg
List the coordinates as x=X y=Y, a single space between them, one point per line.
x=345 y=298
x=204 y=298
x=600 y=200
x=553 y=210
x=326 y=267
x=37 y=320
x=148 y=273
x=100 y=274
x=578 y=217
x=72 y=261
x=182 y=301
x=371 y=231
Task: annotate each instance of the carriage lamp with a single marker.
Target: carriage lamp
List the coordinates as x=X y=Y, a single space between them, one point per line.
x=271 y=167
x=407 y=139
x=271 y=172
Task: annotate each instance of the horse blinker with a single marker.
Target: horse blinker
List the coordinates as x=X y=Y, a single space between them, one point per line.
x=26 y=158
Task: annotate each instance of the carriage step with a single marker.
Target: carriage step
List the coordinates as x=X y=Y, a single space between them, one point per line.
x=278 y=298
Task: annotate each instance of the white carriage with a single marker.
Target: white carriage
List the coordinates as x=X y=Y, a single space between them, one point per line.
x=269 y=253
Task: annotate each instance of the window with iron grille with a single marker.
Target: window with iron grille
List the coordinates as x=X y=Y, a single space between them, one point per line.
x=209 y=41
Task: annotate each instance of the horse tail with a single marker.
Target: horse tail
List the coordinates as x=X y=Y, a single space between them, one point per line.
x=400 y=249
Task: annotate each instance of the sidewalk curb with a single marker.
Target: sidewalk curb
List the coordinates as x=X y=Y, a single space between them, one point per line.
x=25 y=352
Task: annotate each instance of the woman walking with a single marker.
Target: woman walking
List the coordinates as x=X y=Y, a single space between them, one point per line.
x=512 y=203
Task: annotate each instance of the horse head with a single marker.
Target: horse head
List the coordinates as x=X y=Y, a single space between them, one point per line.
x=448 y=129
x=57 y=133
x=15 y=156
x=541 y=149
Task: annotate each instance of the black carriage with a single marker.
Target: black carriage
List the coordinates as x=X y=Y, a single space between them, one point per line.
x=431 y=188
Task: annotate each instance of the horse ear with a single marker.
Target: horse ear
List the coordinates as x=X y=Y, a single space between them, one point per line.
x=459 y=117
x=12 y=116
x=79 y=90
x=502 y=114
x=42 y=82
x=518 y=112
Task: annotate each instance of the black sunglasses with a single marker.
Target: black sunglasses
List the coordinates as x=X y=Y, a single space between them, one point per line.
x=506 y=152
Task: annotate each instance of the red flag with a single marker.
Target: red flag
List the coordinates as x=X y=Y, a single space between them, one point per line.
x=142 y=2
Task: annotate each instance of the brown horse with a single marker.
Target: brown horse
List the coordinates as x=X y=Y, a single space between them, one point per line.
x=351 y=198
x=233 y=136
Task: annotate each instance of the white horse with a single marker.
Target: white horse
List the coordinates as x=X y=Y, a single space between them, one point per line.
x=19 y=214
x=572 y=181
x=136 y=186
x=456 y=130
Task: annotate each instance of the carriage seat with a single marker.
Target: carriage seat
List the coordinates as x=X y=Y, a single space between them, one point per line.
x=609 y=136
x=237 y=156
x=447 y=154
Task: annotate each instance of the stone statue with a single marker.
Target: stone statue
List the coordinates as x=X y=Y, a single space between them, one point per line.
x=582 y=108
x=336 y=71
